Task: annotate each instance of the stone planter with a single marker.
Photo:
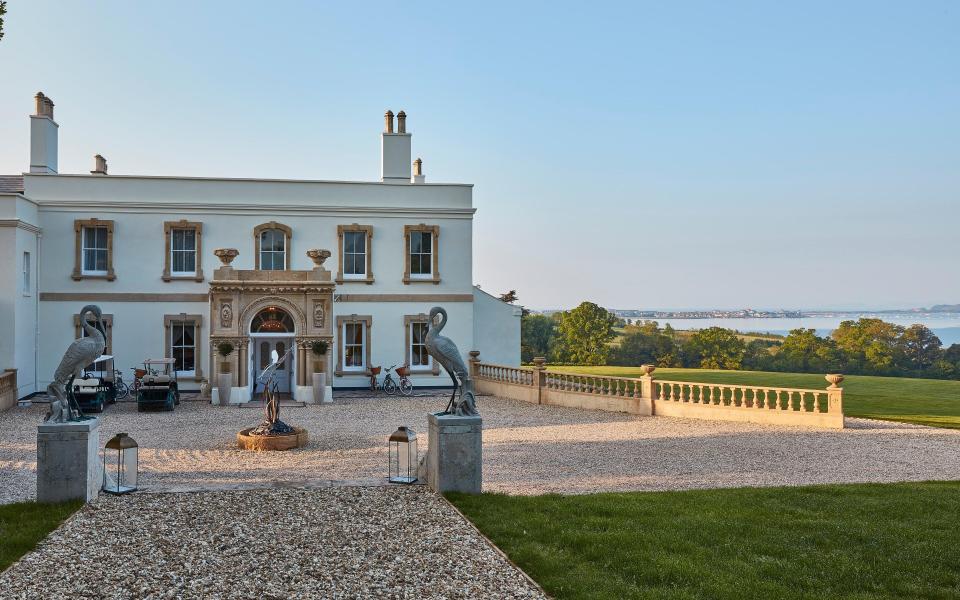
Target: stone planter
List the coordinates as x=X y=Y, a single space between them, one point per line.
x=297 y=439
x=319 y=388
x=224 y=387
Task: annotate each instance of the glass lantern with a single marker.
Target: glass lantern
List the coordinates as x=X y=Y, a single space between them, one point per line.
x=120 y=465
x=404 y=459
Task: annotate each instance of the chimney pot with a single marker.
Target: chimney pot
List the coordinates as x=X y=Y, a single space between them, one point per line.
x=388 y=117
x=418 y=167
x=40 y=104
x=401 y=122
x=99 y=165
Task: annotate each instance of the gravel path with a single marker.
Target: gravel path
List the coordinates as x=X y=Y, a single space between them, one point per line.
x=383 y=542
x=528 y=449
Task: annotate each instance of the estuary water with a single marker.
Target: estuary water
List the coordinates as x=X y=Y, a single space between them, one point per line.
x=945 y=325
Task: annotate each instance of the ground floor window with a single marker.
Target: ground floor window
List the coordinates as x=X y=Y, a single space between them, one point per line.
x=182 y=332
x=353 y=357
x=417 y=358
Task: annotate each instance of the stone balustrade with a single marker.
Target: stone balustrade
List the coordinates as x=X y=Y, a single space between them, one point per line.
x=8 y=389
x=646 y=395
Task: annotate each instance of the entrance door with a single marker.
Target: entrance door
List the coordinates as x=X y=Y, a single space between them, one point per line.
x=262 y=355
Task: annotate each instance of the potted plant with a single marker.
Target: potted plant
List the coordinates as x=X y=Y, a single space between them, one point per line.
x=225 y=376
x=319 y=350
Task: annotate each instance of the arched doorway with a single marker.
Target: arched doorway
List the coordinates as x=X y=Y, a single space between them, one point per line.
x=272 y=329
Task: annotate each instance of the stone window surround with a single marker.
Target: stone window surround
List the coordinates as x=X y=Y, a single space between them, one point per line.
x=107 y=324
x=341 y=229
x=168 y=227
x=197 y=321
x=435 y=231
x=341 y=321
x=287 y=234
x=408 y=320
x=78 y=226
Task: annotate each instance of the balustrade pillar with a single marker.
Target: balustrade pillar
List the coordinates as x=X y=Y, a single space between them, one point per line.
x=834 y=393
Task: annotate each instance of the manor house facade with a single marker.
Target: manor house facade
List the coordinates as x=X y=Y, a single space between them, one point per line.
x=180 y=265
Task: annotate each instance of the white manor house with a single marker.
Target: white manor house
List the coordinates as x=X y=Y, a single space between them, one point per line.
x=180 y=265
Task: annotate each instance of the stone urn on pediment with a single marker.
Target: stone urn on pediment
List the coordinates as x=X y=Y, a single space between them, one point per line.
x=226 y=255
x=318 y=256
x=834 y=379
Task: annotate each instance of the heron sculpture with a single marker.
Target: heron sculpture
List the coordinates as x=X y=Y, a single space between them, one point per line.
x=445 y=352
x=81 y=352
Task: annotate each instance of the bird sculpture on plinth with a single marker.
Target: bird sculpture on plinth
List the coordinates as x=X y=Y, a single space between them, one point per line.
x=272 y=425
x=81 y=353
x=445 y=352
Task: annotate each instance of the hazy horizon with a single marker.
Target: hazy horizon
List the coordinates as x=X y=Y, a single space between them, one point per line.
x=739 y=155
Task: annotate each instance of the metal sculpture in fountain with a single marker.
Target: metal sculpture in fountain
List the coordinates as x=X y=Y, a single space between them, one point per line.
x=445 y=352
x=81 y=353
x=272 y=425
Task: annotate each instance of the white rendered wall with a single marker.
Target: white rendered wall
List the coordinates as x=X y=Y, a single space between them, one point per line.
x=18 y=306
x=496 y=329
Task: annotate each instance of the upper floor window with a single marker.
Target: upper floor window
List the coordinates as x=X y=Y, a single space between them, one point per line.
x=93 y=250
x=272 y=242
x=421 y=258
x=183 y=250
x=355 y=262
x=354 y=255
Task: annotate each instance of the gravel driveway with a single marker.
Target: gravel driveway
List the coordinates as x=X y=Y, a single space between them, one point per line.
x=348 y=542
x=528 y=449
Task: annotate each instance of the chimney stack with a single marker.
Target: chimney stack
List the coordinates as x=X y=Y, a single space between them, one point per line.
x=43 y=137
x=395 y=151
x=418 y=172
x=99 y=165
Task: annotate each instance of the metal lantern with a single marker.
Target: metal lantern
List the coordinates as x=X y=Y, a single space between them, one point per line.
x=404 y=459
x=120 y=463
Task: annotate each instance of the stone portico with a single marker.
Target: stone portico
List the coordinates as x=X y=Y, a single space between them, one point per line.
x=297 y=304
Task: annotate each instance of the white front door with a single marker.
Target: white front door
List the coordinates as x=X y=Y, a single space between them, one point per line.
x=262 y=355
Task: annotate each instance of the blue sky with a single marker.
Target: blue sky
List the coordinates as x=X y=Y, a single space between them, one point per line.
x=656 y=155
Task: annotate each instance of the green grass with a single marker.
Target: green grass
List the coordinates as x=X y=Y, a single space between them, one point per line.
x=923 y=401
x=24 y=524
x=841 y=541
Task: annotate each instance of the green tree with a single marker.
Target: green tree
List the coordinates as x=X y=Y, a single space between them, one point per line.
x=870 y=345
x=3 y=11
x=757 y=356
x=716 y=348
x=644 y=343
x=806 y=352
x=584 y=334
x=536 y=336
x=921 y=346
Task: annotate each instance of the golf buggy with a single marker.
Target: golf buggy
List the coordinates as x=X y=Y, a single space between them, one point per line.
x=158 y=387
x=95 y=388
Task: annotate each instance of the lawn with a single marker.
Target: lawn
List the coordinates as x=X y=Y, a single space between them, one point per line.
x=839 y=541
x=923 y=401
x=24 y=524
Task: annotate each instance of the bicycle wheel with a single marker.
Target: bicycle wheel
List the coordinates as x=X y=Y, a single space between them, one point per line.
x=122 y=390
x=406 y=388
x=389 y=386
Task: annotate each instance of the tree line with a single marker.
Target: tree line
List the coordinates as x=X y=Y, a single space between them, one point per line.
x=591 y=335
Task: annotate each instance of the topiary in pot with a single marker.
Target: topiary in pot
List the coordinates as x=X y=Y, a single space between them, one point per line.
x=319 y=350
x=225 y=349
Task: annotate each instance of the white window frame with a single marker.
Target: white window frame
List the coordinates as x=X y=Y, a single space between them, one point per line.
x=413 y=342
x=274 y=253
x=429 y=235
x=363 y=346
x=83 y=250
x=26 y=273
x=174 y=251
x=173 y=348
x=363 y=262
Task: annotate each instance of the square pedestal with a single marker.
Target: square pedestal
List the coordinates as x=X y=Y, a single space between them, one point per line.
x=455 y=454
x=68 y=461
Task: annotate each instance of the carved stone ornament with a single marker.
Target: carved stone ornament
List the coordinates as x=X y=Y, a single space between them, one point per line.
x=318 y=256
x=226 y=255
x=318 y=314
x=226 y=315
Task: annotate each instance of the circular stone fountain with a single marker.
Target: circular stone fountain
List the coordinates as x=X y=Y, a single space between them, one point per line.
x=272 y=433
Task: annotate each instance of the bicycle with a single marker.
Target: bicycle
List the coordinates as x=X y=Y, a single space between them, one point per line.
x=390 y=386
x=120 y=387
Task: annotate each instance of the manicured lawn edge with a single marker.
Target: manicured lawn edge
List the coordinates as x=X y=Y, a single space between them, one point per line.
x=23 y=525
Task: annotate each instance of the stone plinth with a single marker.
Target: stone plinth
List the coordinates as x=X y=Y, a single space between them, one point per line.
x=68 y=461
x=455 y=454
